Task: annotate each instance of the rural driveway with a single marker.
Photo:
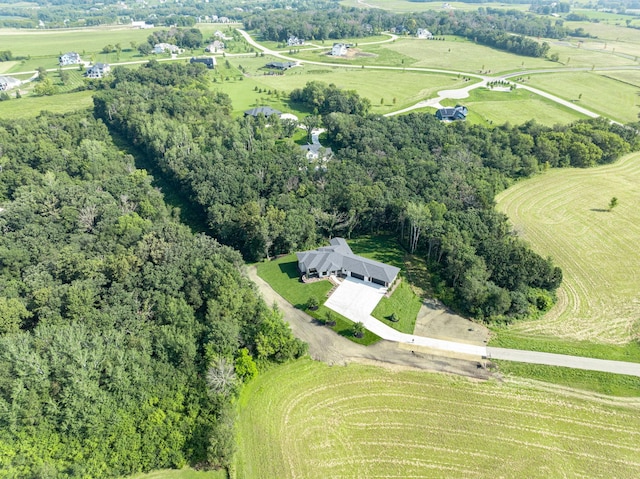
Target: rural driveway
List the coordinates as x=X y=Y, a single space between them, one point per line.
x=325 y=345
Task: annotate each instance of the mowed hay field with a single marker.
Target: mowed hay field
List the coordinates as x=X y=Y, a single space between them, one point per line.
x=563 y=214
x=309 y=420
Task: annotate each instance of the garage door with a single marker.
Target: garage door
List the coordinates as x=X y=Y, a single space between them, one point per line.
x=357 y=276
x=378 y=281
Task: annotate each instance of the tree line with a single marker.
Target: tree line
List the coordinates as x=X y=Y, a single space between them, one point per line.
x=430 y=183
x=123 y=336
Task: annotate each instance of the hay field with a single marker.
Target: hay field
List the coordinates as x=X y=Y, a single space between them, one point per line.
x=563 y=214
x=309 y=420
x=602 y=94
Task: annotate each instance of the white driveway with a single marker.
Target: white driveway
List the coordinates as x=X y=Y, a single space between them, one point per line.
x=355 y=299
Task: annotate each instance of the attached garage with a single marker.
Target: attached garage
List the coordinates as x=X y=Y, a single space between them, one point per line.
x=357 y=276
x=379 y=281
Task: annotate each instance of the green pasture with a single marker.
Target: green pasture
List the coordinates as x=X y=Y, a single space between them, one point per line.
x=28 y=107
x=602 y=94
x=563 y=214
x=631 y=77
x=516 y=107
x=308 y=419
x=407 y=87
x=282 y=275
x=186 y=473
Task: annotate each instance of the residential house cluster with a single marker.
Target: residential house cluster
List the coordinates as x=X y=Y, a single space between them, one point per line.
x=166 y=47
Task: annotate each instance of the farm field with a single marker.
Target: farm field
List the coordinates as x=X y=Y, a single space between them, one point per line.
x=563 y=214
x=602 y=94
x=516 y=107
x=307 y=419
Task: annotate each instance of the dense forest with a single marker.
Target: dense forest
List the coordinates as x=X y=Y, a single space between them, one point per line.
x=430 y=183
x=123 y=336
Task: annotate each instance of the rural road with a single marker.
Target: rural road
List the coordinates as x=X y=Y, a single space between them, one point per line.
x=327 y=346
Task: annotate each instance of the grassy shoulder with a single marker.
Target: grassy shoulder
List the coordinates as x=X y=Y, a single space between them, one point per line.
x=503 y=338
x=186 y=473
x=595 y=381
x=282 y=275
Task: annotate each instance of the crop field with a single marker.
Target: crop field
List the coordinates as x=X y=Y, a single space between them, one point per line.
x=602 y=94
x=564 y=214
x=309 y=420
x=517 y=106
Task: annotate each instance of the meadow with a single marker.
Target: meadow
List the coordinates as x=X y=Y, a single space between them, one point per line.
x=564 y=214
x=307 y=419
x=186 y=473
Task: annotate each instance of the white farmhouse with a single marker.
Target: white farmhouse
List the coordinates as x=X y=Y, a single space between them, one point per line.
x=339 y=50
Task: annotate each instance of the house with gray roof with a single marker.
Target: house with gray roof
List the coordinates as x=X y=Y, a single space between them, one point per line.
x=338 y=259
x=262 y=110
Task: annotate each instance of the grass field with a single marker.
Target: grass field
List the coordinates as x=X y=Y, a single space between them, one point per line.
x=606 y=96
x=186 y=473
x=310 y=420
x=402 y=6
x=516 y=107
x=563 y=214
x=28 y=107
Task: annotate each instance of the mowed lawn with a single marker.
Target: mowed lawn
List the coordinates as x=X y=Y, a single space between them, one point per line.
x=28 y=107
x=602 y=94
x=563 y=214
x=309 y=420
x=516 y=107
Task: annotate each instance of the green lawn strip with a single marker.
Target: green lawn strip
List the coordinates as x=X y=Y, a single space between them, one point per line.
x=596 y=381
x=186 y=473
x=282 y=275
x=404 y=304
x=383 y=248
x=503 y=338
x=28 y=107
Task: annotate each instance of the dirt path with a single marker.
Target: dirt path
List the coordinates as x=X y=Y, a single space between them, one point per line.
x=331 y=348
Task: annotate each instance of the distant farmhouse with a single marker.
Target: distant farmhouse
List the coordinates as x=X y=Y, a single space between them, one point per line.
x=339 y=49
x=219 y=34
x=142 y=25
x=166 y=47
x=452 y=113
x=423 y=33
x=400 y=30
x=210 y=62
x=295 y=41
x=98 y=70
x=70 y=58
x=8 y=83
x=215 y=47
x=281 y=65
x=338 y=259
x=262 y=110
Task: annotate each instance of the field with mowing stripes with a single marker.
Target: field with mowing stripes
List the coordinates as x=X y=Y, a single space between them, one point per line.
x=563 y=214
x=309 y=420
